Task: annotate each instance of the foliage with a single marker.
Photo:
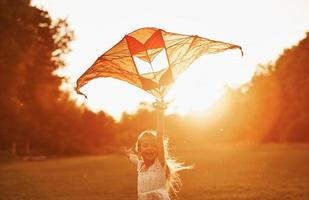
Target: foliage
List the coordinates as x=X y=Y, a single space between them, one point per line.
x=35 y=114
x=276 y=106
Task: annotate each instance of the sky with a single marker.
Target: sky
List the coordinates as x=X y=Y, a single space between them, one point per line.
x=262 y=28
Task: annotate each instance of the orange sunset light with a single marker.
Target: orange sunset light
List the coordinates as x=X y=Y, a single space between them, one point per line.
x=250 y=25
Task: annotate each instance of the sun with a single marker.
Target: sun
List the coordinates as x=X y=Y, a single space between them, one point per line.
x=205 y=80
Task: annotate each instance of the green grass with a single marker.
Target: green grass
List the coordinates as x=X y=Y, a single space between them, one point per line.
x=260 y=172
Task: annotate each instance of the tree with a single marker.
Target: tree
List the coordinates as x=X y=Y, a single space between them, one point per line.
x=275 y=108
x=34 y=112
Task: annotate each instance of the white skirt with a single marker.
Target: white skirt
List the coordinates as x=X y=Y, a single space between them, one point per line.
x=159 y=194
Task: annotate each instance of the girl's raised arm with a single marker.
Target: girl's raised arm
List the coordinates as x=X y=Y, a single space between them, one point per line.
x=160 y=131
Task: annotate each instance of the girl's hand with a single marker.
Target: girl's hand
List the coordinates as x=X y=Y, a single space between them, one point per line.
x=131 y=154
x=129 y=151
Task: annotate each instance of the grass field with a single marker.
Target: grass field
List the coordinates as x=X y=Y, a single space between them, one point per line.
x=268 y=172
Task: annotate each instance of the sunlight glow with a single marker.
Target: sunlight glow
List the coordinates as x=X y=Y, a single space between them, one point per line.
x=263 y=29
x=203 y=83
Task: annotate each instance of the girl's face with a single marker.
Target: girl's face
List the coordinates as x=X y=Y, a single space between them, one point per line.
x=148 y=148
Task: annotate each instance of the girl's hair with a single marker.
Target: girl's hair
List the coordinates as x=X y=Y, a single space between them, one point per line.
x=173 y=166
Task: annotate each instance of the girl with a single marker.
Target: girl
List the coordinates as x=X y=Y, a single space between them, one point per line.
x=157 y=172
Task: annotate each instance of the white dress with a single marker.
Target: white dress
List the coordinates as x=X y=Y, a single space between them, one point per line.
x=151 y=184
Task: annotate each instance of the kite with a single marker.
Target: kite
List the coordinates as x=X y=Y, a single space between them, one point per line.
x=151 y=59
